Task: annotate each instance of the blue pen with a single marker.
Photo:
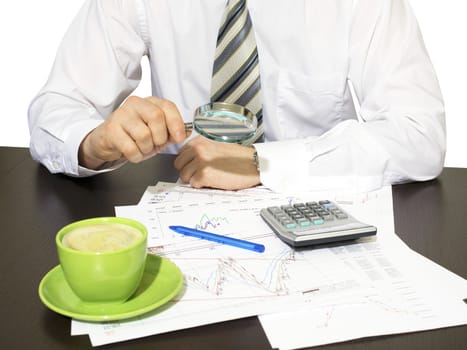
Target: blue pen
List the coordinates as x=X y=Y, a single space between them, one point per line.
x=187 y=231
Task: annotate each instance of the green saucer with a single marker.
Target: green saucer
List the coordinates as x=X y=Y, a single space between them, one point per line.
x=161 y=281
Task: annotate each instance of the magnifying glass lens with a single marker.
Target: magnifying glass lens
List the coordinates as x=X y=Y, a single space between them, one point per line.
x=225 y=122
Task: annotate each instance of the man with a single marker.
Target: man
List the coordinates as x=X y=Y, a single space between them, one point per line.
x=310 y=54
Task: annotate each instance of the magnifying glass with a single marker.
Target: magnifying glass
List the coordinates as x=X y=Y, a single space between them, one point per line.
x=224 y=122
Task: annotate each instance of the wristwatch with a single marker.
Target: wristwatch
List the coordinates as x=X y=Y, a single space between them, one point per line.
x=255 y=158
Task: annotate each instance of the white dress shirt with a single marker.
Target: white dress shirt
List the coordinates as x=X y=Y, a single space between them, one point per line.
x=309 y=51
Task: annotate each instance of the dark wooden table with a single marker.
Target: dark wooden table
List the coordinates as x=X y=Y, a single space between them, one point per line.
x=430 y=217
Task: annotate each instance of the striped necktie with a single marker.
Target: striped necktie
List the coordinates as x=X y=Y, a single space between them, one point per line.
x=236 y=69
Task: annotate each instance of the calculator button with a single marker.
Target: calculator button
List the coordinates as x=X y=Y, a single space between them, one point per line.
x=274 y=210
x=318 y=221
x=297 y=216
x=282 y=217
x=304 y=222
x=289 y=224
x=313 y=216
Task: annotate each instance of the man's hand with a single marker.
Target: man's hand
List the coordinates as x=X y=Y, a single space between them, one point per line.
x=137 y=130
x=206 y=163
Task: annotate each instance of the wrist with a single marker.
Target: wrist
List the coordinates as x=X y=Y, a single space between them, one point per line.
x=86 y=157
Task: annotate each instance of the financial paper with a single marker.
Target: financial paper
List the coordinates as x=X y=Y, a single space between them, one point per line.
x=325 y=287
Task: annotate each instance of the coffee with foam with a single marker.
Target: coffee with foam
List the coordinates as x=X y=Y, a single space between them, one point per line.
x=101 y=238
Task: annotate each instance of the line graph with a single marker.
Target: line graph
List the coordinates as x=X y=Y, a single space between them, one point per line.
x=229 y=277
x=206 y=222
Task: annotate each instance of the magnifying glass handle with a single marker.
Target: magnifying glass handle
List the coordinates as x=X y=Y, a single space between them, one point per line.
x=188 y=127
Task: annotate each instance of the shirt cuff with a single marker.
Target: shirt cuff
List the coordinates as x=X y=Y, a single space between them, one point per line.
x=104 y=168
x=282 y=164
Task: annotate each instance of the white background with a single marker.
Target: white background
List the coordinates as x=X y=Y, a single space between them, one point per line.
x=31 y=30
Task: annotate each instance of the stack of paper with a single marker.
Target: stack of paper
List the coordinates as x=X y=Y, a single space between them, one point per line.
x=303 y=297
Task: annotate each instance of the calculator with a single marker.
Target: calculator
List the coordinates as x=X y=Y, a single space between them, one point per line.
x=312 y=223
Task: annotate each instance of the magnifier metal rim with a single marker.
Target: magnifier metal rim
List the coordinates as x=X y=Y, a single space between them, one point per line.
x=241 y=111
x=228 y=107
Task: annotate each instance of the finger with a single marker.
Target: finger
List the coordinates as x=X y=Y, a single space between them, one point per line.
x=188 y=171
x=129 y=118
x=194 y=143
x=142 y=135
x=148 y=125
x=173 y=119
x=155 y=150
x=125 y=144
x=183 y=158
x=187 y=153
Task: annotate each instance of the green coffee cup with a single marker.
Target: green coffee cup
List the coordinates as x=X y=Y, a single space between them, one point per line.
x=103 y=259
